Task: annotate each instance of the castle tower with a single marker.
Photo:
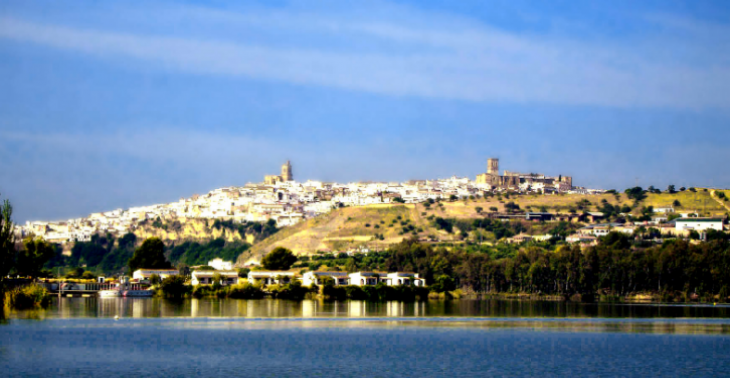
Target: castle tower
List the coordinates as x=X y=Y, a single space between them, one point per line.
x=286 y=173
x=493 y=166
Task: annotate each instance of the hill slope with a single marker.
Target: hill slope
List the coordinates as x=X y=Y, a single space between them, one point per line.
x=352 y=227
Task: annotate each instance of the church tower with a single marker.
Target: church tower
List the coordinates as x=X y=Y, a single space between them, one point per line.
x=493 y=167
x=286 y=173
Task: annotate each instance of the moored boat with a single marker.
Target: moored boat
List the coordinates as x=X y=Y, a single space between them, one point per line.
x=113 y=293
x=125 y=289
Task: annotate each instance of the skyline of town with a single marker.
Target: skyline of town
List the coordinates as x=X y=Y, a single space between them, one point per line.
x=282 y=198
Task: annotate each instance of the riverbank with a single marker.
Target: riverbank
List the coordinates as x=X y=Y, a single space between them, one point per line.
x=605 y=297
x=26 y=298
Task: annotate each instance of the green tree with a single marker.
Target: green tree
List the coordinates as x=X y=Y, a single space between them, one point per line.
x=479 y=209
x=75 y=273
x=155 y=279
x=7 y=249
x=31 y=258
x=174 y=286
x=150 y=255
x=279 y=259
x=243 y=272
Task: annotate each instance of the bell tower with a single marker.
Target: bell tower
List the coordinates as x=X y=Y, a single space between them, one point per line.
x=493 y=166
x=286 y=172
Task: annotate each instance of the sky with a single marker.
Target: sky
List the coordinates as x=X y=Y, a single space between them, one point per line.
x=107 y=105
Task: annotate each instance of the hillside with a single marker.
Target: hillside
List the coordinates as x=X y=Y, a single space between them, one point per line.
x=351 y=227
x=187 y=229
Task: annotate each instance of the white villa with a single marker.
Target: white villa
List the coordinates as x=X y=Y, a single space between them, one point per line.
x=205 y=277
x=365 y=278
x=698 y=224
x=269 y=277
x=390 y=279
x=404 y=278
x=309 y=278
x=145 y=274
x=219 y=264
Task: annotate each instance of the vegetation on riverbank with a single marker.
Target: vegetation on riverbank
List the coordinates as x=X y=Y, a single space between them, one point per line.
x=380 y=292
x=27 y=297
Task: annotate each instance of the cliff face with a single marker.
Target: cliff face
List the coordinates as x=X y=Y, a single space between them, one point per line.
x=191 y=229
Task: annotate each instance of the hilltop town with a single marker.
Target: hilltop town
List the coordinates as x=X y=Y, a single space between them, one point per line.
x=287 y=202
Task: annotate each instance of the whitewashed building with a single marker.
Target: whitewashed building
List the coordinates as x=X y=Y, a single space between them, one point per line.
x=145 y=274
x=269 y=277
x=698 y=224
x=205 y=277
x=316 y=278
x=219 y=264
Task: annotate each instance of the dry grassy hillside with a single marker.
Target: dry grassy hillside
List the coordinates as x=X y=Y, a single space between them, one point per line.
x=362 y=226
x=184 y=229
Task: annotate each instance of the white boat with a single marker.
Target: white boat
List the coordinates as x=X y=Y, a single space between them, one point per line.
x=124 y=289
x=114 y=293
x=138 y=293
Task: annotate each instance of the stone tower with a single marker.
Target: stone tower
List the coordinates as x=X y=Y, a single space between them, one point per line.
x=286 y=173
x=493 y=166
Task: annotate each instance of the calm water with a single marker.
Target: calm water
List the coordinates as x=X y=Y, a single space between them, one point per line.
x=153 y=337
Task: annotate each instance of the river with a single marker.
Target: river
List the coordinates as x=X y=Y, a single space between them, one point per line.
x=273 y=338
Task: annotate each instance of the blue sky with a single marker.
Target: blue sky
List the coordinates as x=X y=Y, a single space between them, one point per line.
x=115 y=104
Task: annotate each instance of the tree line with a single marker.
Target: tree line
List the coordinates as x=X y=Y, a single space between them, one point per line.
x=615 y=265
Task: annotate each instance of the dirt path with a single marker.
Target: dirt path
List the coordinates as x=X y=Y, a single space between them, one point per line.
x=721 y=202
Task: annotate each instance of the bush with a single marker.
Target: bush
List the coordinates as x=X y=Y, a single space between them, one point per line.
x=174 y=287
x=28 y=297
x=293 y=290
x=200 y=291
x=245 y=291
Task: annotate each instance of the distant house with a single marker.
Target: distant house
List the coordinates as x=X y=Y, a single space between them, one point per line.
x=366 y=278
x=594 y=216
x=219 y=264
x=698 y=224
x=145 y=274
x=664 y=210
x=205 y=277
x=404 y=278
x=521 y=238
x=532 y=216
x=269 y=277
x=581 y=238
x=316 y=278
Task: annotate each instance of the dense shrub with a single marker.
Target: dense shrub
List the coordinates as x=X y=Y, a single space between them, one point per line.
x=245 y=291
x=174 y=287
x=380 y=292
x=28 y=297
x=293 y=291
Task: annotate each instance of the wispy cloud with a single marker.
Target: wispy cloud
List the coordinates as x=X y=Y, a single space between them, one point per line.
x=473 y=62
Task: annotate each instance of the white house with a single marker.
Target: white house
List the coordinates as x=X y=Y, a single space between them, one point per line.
x=367 y=278
x=309 y=278
x=663 y=210
x=580 y=238
x=219 y=264
x=269 y=277
x=404 y=278
x=698 y=224
x=205 y=277
x=145 y=274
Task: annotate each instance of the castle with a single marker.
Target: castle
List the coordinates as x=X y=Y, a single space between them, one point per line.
x=286 y=175
x=515 y=180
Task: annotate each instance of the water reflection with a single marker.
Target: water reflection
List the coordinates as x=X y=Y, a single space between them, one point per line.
x=273 y=308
